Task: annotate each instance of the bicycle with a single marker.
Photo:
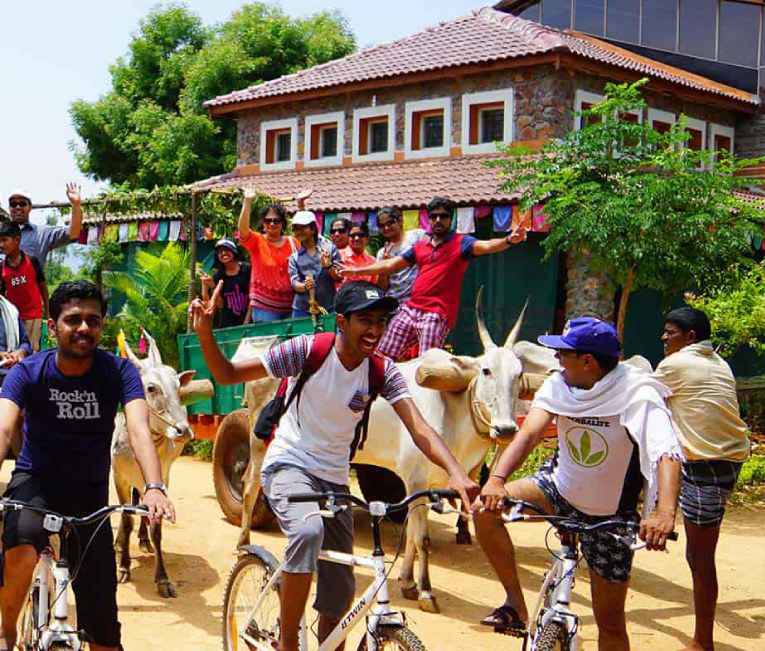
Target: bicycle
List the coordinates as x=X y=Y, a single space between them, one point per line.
x=552 y=624
x=45 y=617
x=252 y=618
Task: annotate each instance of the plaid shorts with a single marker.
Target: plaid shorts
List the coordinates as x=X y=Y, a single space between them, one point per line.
x=705 y=489
x=606 y=556
x=410 y=326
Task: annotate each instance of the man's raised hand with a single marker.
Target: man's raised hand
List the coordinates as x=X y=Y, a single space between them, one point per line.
x=202 y=312
x=73 y=193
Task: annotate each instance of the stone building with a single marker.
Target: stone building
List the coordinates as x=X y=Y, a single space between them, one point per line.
x=397 y=123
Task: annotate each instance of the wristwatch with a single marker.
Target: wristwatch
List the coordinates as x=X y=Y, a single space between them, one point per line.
x=158 y=485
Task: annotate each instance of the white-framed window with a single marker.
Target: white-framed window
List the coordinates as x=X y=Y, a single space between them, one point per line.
x=721 y=137
x=661 y=121
x=324 y=139
x=428 y=128
x=487 y=117
x=584 y=100
x=374 y=133
x=278 y=144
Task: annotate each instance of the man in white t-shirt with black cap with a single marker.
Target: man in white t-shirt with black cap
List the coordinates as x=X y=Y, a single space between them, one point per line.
x=614 y=435
x=311 y=449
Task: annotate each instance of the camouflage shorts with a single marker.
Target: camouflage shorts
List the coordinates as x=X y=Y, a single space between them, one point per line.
x=606 y=556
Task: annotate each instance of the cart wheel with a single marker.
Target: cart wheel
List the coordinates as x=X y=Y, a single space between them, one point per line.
x=231 y=456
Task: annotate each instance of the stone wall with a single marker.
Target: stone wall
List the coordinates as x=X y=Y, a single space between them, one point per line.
x=750 y=130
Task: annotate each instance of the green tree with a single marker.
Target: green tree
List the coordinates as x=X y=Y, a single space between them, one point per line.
x=648 y=210
x=155 y=297
x=151 y=128
x=737 y=310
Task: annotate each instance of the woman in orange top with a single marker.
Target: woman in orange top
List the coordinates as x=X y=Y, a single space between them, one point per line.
x=355 y=254
x=270 y=288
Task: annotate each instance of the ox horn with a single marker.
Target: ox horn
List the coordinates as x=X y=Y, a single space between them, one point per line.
x=131 y=355
x=154 y=356
x=513 y=336
x=483 y=331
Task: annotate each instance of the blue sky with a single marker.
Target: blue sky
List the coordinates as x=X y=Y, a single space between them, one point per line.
x=53 y=52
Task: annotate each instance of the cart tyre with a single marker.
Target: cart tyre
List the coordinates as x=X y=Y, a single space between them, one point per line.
x=231 y=456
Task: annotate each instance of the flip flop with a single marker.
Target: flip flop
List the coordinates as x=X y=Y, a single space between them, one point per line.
x=505 y=619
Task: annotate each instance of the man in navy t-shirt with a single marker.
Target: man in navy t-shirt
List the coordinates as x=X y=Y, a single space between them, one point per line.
x=69 y=397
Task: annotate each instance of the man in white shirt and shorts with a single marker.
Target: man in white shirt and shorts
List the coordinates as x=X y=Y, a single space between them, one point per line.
x=614 y=432
x=311 y=448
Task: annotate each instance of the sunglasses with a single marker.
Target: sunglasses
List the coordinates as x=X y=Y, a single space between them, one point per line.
x=434 y=216
x=272 y=221
x=357 y=236
x=390 y=222
x=18 y=204
x=338 y=231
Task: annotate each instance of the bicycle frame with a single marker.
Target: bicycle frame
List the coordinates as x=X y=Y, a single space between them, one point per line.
x=375 y=598
x=562 y=575
x=57 y=628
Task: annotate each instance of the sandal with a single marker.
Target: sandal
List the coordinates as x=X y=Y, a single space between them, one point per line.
x=505 y=619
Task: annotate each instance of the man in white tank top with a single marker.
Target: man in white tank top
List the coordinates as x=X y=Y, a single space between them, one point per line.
x=614 y=433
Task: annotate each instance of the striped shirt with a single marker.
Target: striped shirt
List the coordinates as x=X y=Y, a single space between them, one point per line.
x=316 y=435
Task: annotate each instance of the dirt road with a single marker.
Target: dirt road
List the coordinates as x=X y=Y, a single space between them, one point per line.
x=199 y=553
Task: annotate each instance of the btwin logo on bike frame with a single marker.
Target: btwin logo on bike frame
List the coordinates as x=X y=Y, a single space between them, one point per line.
x=349 y=617
x=587 y=448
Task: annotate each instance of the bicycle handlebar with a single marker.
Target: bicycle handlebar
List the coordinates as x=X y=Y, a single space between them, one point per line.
x=570 y=525
x=433 y=495
x=14 y=505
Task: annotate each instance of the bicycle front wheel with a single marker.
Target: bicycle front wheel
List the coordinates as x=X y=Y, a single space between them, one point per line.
x=552 y=637
x=390 y=638
x=245 y=586
x=28 y=636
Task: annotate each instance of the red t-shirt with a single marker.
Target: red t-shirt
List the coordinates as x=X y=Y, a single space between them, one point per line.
x=270 y=286
x=438 y=284
x=22 y=286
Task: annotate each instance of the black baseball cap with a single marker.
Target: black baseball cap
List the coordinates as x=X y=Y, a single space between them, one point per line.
x=360 y=295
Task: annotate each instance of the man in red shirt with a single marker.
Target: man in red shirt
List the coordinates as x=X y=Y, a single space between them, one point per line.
x=23 y=282
x=443 y=258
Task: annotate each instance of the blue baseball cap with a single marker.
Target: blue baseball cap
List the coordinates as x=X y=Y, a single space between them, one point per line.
x=587 y=335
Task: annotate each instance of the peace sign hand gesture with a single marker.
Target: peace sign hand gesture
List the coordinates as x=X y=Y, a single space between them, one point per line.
x=202 y=312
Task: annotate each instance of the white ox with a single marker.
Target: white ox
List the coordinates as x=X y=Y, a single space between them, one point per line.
x=472 y=416
x=167 y=391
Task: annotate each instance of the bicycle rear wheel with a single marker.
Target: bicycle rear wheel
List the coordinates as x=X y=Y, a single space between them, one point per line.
x=247 y=580
x=552 y=637
x=390 y=638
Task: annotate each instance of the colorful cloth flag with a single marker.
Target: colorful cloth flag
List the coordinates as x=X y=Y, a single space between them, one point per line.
x=424 y=221
x=358 y=217
x=522 y=219
x=93 y=235
x=374 y=229
x=466 y=219
x=164 y=231
x=411 y=219
x=132 y=231
x=153 y=231
x=329 y=217
x=123 y=233
x=482 y=211
x=144 y=231
x=539 y=219
x=501 y=217
x=319 y=220
x=111 y=233
x=83 y=237
x=174 y=230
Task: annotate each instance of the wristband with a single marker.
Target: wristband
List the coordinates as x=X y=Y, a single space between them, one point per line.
x=504 y=479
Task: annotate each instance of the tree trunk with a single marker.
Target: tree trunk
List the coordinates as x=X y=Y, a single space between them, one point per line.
x=588 y=292
x=623 y=301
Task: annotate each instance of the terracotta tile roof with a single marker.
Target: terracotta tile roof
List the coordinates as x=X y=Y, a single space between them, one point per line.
x=463 y=179
x=484 y=36
x=91 y=218
x=751 y=197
